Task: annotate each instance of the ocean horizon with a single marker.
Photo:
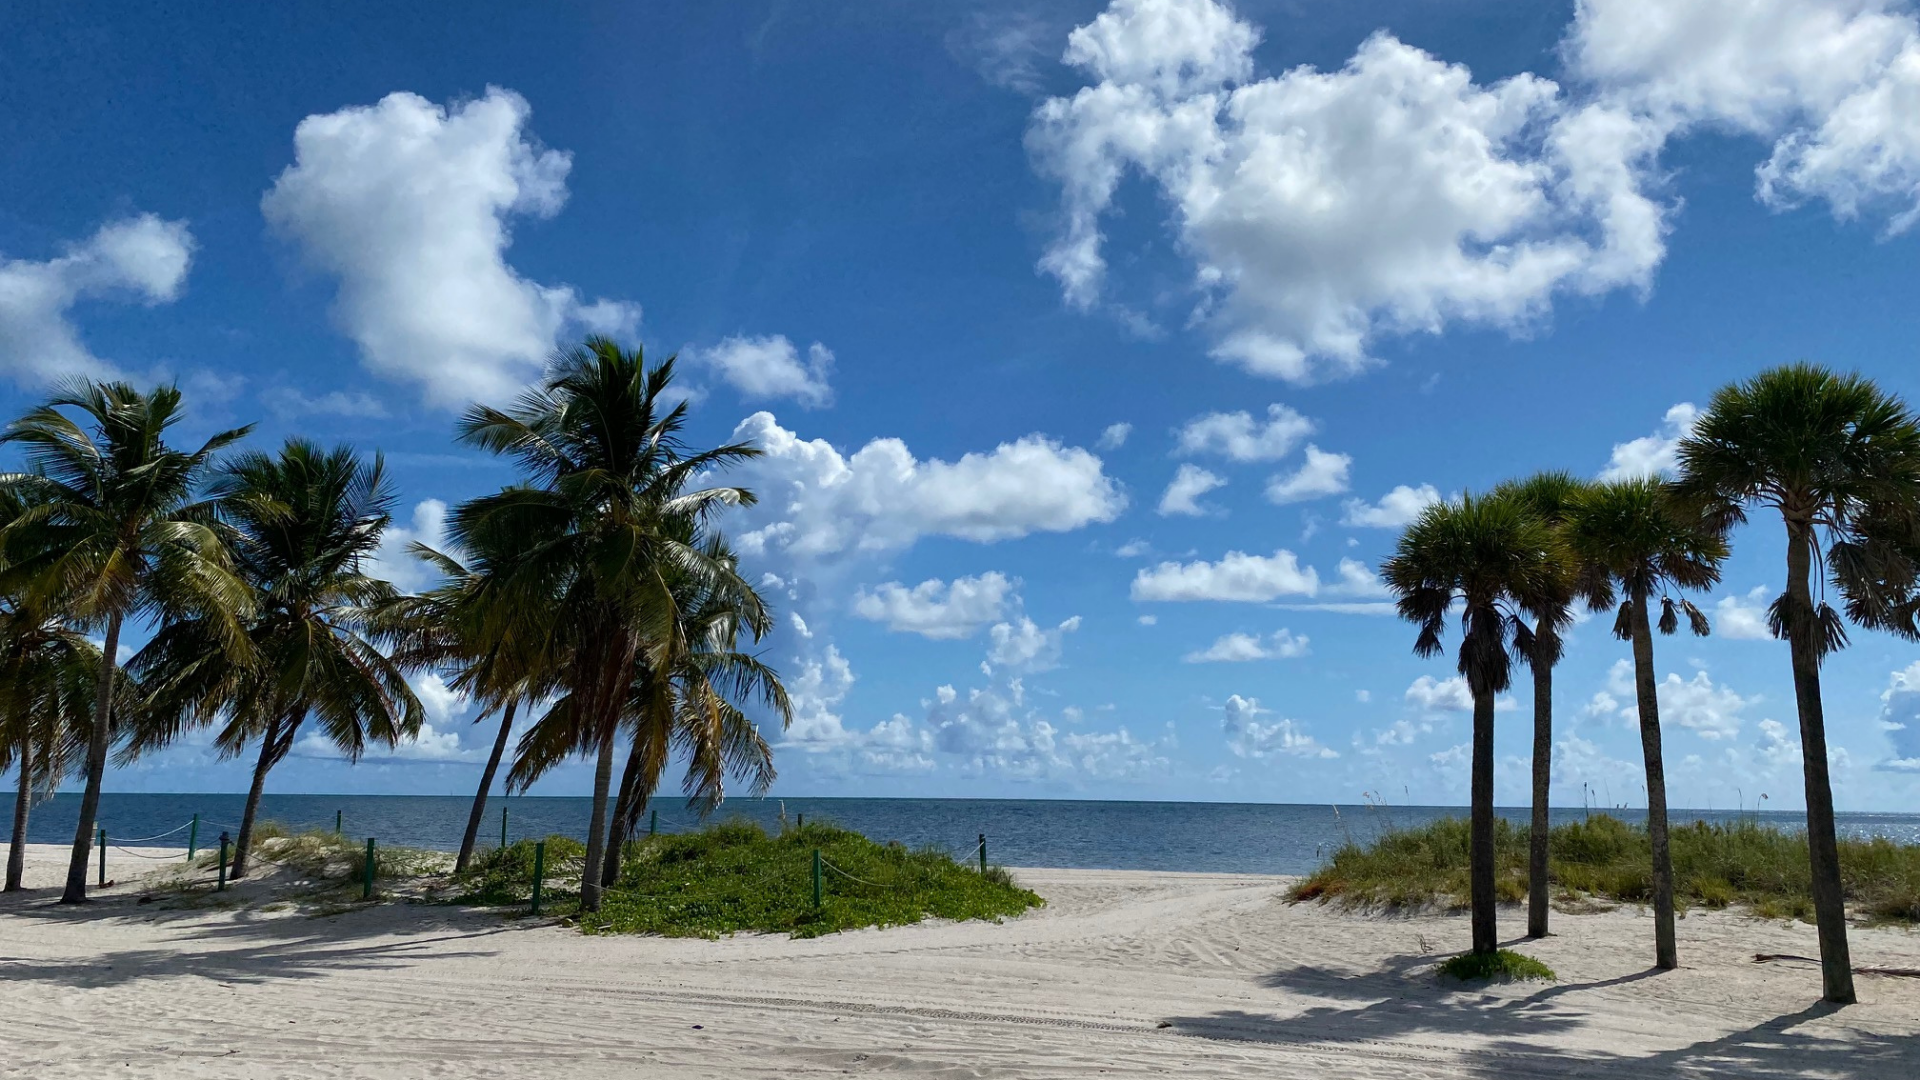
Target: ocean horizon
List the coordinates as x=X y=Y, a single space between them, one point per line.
x=1265 y=838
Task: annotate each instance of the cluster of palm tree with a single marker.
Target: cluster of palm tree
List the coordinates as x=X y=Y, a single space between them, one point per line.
x=1836 y=457
x=596 y=593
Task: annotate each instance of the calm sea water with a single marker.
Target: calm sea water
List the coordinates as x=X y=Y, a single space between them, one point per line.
x=1260 y=838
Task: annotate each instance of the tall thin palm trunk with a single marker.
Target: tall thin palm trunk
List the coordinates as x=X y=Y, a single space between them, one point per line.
x=97 y=741
x=590 y=887
x=486 y=784
x=625 y=813
x=1665 y=952
x=1823 y=849
x=1542 y=783
x=1486 y=937
x=22 y=805
x=243 y=845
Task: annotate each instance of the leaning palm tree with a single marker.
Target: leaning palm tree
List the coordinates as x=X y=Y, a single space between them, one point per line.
x=1839 y=460
x=1649 y=544
x=597 y=527
x=115 y=526
x=1482 y=555
x=305 y=521
x=48 y=672
x=1548 y=497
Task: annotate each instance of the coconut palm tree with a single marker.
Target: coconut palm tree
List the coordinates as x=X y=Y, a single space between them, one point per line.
x=1483 y=555
x=115 y=526
x=1548 y=496
x=611 y=475
x=304 y=520
x=48 y=672
x=1839 y=460
x=1649 y=544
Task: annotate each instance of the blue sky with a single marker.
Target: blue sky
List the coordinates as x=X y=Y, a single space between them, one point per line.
x=1099 y=351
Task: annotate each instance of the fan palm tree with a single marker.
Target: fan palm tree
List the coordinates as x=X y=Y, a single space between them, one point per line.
x=598 y=532
x=305 y=520
x=1839 y=460
x=1548 y=497
x=1484 y=555
x=1648 y=543
x=115 y=526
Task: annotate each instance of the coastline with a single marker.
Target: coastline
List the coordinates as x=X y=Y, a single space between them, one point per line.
x=1123 y=973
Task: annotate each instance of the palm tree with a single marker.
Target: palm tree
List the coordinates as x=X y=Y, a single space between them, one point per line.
x=114 y=526
x=1485 y=555
x=304 y=520
x=1839 y=460
x=1649 y=543
x=597 y=529
x=1547 y=496
x=48 y=672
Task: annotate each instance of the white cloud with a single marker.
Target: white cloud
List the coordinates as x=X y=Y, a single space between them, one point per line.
x=1114 y=437
x=816 y=502
x=1250 y=737
x=937 y=609
x=1900 y=719
x=1238 y=437
x=1133 y=549
x=1358 y=579
x=1237 y=576
x=408 y=205
x=1023 y=646
x=1005 y=48
x=771 y=367
x=1238 y=648
x=1147 y=620
x=1396 y=509
x=395 y=563
x=1440 y=695
x=1321 y=474
x=1324 y=208
x=1183 y=494
x=1710 y=711
x=143 y=257
x=1657 y=454
x=1834 y=85
x=1744 y=620
x=289 y=404
x=816 y=692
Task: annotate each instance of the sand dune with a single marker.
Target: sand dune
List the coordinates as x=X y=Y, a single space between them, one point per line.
x=1122 y=974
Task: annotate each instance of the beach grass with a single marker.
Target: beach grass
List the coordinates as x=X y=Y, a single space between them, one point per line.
x=735 y=876
x=1503 y=964
x=1745 y=863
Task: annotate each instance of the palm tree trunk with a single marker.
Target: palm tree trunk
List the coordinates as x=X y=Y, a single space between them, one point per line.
x=625 y=813
x=1542 y=782
x=22 y=804
x=486 y=784
x=1486 y=937
x=1823 y=850
x=590 y=887
x=97 y=741
x=1665 y=952
x=243 y=846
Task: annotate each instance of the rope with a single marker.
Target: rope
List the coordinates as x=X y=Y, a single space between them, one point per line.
x=141 y=854
x=156 y=836
x=861 y=880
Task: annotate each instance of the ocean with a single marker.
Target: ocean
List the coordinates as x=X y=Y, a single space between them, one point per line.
x=1260 y=838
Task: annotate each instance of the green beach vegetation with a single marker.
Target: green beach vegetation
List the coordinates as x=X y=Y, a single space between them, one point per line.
x=1603 y=860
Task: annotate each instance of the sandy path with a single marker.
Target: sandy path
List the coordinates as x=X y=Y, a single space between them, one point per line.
x=1123 y=974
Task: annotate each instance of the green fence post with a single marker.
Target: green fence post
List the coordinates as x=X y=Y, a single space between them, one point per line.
x=366 y=883
x=800 y=821
x=193 y=837
x=539 y=872
x=339 y=817
x=983 y=853
x=653 y=824
x=503 y=826
x=816 y=879
x=103 y=856
x=222 y=887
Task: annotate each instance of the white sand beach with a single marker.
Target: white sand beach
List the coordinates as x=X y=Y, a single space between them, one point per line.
x=1122 y=974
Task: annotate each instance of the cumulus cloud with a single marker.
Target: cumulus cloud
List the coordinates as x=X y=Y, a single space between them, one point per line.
x=1325 y=208
x=1900 y=719
x=1236 y=576
x=935 y=608
x=1358 y=579
x=395 y=563
x=817 y=503
x=1236 y=647
x=408 y=205
x=1440 y=695
x=1657 y=454
x=1697 y=704
x=1396 y=509
x=1321 y=474
x=289 y=404
x=1237 y=436
x=1183 y=493
x=771 y=367
x=1743 y=618
x=1114 y=437
x=1248 y=736
x=143 y=258
x=1024 y=647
